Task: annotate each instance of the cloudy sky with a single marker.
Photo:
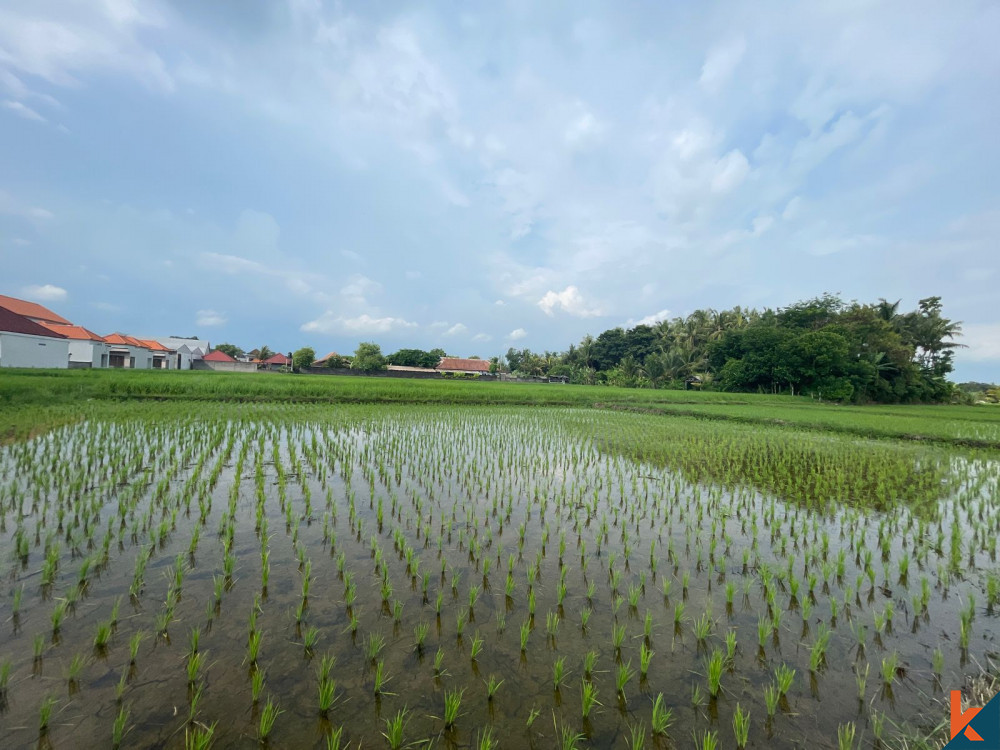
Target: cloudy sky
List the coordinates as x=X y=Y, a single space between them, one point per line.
x=473 y=176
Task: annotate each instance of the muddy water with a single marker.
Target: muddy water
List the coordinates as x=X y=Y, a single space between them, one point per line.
x=473 y=478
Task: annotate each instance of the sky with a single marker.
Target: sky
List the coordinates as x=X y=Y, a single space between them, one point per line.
x=475 y=176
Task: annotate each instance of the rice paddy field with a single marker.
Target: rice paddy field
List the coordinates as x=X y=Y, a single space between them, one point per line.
x=203 y=572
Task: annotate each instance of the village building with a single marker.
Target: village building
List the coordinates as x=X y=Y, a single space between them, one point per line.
x=86 y=348
x=26 y=343
x=457 y=365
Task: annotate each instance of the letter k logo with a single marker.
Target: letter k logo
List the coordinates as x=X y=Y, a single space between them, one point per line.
x=960 y=721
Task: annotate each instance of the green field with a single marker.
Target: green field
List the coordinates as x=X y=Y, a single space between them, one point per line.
x=216 y=560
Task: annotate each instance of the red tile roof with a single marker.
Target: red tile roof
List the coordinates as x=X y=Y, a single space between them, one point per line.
x=32 y=310
x=121 y=339
x=155 y=346
x=216 y=356
x=277 y=359
x=465 y=365
x=78 y=333
x=11 y=322
x=329 y=356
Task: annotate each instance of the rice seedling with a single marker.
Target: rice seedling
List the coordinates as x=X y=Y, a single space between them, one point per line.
x=662 y=716
x=637 y=736
x=558 y=672
x=45 y=713
x=709 y=741
x=525 y=632
x=380 y=679
x=645 y=657
x=452 y=704
x=335 y=738
x=256 y=684
x=102 y=634
x=623 y=674
x=588 y=698
x=771 y=697
x=845 y=736
x=133 y=645
x=714 y=666
x=477 y=646
x=889 y=666
x=268 y=715
x=119 y=727
x=492 y=686
x=741 y=727
x=438 y=661
x=394 y=729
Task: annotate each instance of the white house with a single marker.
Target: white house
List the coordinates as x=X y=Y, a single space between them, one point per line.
x=86 y=348
x=185 y=351
x=126 y=352
x=25 y=343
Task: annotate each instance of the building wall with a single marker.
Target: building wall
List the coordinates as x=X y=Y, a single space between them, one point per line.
x=200 y=364
x=24 y=350
x=87 y=352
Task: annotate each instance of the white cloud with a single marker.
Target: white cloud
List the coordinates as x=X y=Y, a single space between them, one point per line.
x=649 y=320
x=517 y=334
x=499 y=303
x=358 y=288
x=210 y=318
x=413 y=275
x=362 y=324
x=720 y=64
x=519 y=195
x=570 y=301
x=44 y=293
x=983 y=340
x=350 y=255
x=456 y=330
x=482 y=337
x=730 y=171
x=584 y=130
x=23 y=111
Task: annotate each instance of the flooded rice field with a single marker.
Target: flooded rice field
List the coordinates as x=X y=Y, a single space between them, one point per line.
x=485 y=578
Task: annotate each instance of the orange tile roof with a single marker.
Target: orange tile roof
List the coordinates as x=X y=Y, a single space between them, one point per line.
x=216 y=356
x=32 y=310
x=122 y=340
x=156 y=346
x=78 y=333
x=11 y=322
x=277 y=359
x=468 y=365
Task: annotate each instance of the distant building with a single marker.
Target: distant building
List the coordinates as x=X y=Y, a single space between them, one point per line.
x=128 y=353
x=276 y=362
x=459 y=365
x=32 y=311
x=324 y=360
x=26 y=343
x=86 y=348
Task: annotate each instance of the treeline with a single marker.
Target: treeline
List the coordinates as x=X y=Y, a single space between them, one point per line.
x=826 y=347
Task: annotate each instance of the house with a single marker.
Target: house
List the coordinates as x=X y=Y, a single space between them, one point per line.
x=25 y=343
x=276 y=362
x=324 y=361
x=216 y=360
x=457 y=365
x=32 y=311
x=126 y=352
x=86 y=348
x=185 y=351
x=162 y=356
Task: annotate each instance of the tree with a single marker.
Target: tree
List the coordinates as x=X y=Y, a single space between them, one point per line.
x=303 y=358
x=413 y=358
x=231 y=349
x=368 y=358
x=337 y=362
x=264 y=352
x=609 y=348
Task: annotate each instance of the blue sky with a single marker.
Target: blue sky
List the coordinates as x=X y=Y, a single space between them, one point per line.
x=476 y=176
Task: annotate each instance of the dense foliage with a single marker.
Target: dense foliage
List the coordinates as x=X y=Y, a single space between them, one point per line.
x=823 y=347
